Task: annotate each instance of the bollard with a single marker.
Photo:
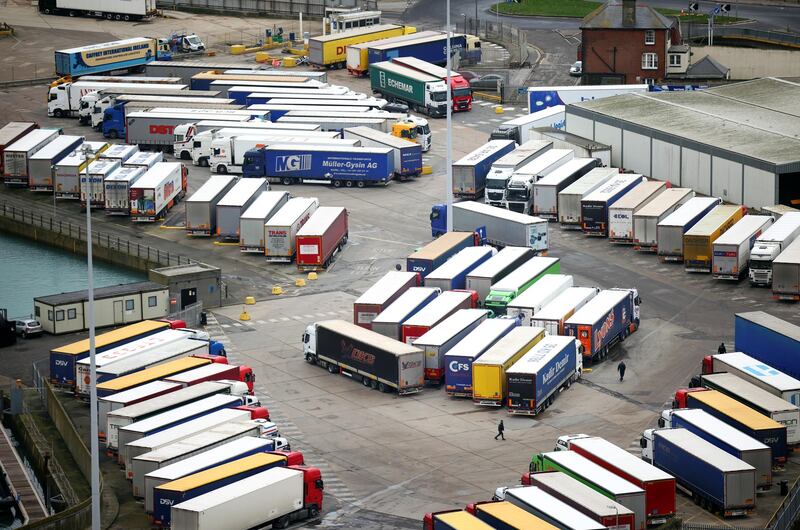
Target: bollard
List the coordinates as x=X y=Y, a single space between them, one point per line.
x=498 y=109
x=244 y=315
x=250 y=300
x=276 y=289
x=237 y=49
x=312 y=275
x=262 y=57
x=299 y=282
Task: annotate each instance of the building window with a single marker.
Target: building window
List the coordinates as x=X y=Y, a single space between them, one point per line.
x=72 y=314
x=129 y=305
x=674 y=59
x=50 y=315
x=649 y=81
x=60 y=315
x=152 y=301
x=649 y=61
x=36 y=310
x=650 y=37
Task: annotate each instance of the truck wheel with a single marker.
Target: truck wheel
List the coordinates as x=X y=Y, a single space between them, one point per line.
x=313 y=511
x=348 y=184
x=108 y=16
x=374 y=384
x=366 y=381
x=382 y=387
x=286 y=181
x=222 y=169
x=58 y=113
x=113 y=134
x=337 y=183
x=185 y=155
x=283 y=522
x=203 y=162
x=117 y=17
x=127 y=18
x=360 y=184
x=72 y=13
x=332 y=368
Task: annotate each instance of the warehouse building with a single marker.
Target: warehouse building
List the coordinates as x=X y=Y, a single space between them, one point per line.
x=740 y=142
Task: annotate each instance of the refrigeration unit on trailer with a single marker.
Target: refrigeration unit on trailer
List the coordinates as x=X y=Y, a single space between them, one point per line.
x=503 y=227
x=117 y=189
x=553 y=315
x=92 y=181
x=10 y=133
x=769 y=245
x=519 y=192
x=786 y=274
x=381 y=295
x=157 y=191
x=144 y=159
x=569 y=198
x=453 y=273
x=231 y=206
x=438 y=340
x=201 y=207
x=252 y=221
x=390 y=321
x=438 y=310
x=645 y=221
x=535 y=298
x=546 y=189
x=435 y=253
x=470 y=171
x=502 y=170
x=519 y=129
x=670 y=230
x=595 y=206
x=550 y=96
x=606 y=319
x=756 y=372
x=407 y=154
x=324 y=234
x=16 y=155
x=280 y=231
x=516 y=283
x=620 y=214
x=731 y=250
x=698 y=241
x=497 y=267
x=551 y=510
x=41 y=164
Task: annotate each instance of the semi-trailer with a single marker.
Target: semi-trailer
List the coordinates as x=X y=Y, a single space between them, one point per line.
x=231 y=206
x=94 y=104
x=622 y=211
x=407 y=154
x=549 y=508
x=470 y=171
x=278 y=110
x=519 y=191
x=502 y=227
x=116 y=10
x=357 y=61
x=497 y=267
x=438 y=310
x=671 y=229
x=540 y=97
x=756 y=372
x=250 y=96
x=339 y=123
x=458 y=360
x=16 y=155
x=280 y=230
x=698 y=241
x=709 y=475
x=186 y=69
x=659 y=487
x=329 y=51
x=278 y=496
x=595 y=218
x=438 y=340
x=92 y=181
x=786 y=274
x=157 y=191
x=489 y=382
x=427 y=48
x=41 y=163
x=453 y=273
x=535 y=379
x=553 y=315
x=151 y=128
x=596 y=477
x=318 y=240
x=606 y=319
x=139 y=79
x=382 y=293
x=120 y=152
x=201 y=207
x=506 y=516
x=117 y=189
x=518 y=281
x=422 y=92
x=546 y=189
x=582 y=147
x=731 y=251
x=129 y=381
x=769 y=339
x=390 y=321
x=66 y=173
x=725 y=437
x=361 y=354
x=519 y=129
x=251 y=223
x=460 y=89
x=64 y=99
x=213 y=82
x=502 y=169
x=534 y=299
x=569 y=198
x=646 y=220
x=358 y=104
x=769 y=245
x=106 y=404
x=230 y=152
x=10 y=133
x=426 y=259
x=106 y=56
x=214 y=372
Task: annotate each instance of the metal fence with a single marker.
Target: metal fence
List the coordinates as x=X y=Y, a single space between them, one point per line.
x=286 y=8
x=27 y=72
x=189 y=314
x=99 y=239
x=778 y=38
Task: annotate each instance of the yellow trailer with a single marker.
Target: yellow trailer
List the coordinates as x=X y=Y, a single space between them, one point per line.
x=331 y=50
x=698 y=253
x=489 y=370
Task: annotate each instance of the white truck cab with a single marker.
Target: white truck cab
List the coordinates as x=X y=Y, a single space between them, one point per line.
x=562 y=443
x=646 y=443
x=310 y=341
x=761 y=258
x=519 y=194
x=239 y=388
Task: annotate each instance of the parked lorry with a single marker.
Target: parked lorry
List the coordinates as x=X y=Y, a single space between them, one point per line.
x=698 y=241
x=151 y=128
x=582 y=147
x=756 y=372
x=127 y=381
x=502 y=227
x=40 y=163
x=93 y=105
x=554 y=314
x=646 y=220
x=64 y=99
x=460 y=89
x=622 y=211
x=422 y=93
x=489 y=371
x=725 y=437
x=390 y=321
x=708 y=474
x=144 y=159
x=545 y=190
x=382 y=293
x=111 y=402
x=769 y=339
x=569 y=198
x=774 y=240
x=427 y=47
x=17 y=154
x=435 y=253
x=372 y=358
x=321 y=103
x=659 y=487
x=438 y=310
x=318 y=240
x=280 y=230
x=470 y=171
x=329 y=51
x=338 y=123
x=503 y=514
x=10 y=133
x=229 y=152
x=439 y=339
x=261 y=96
x=518 y=281
x=519 y=191
x=407 y=154
x=453 y=273
x=117 y=189
x=357 y=62
x=786 y=274
x=67 y=172
x=201 y=207
x=105 y=56
x=458 y=360
x=251 y=223
x=731 y=250
x=519 y=129
x=497 y=267
x=502 y=170
x=606 y=319
x=548 y=508
x=670 y=230
x=231 y=206
x=540 y=294
x=214 y=372
x=120 y=152
x=157 y=191
x=92 y=187
x=595 y=218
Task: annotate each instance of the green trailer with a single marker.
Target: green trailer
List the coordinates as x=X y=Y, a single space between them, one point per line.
x=503 y=292
x=420 y=91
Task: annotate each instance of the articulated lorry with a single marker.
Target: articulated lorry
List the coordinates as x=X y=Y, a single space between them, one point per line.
x=549 y=508
x=646 y=220
x=519 y=191
x=481 y=278
x=546 y=190
x=470 y=171
x=92 y=188
x=228 y=152
x=41 y=163
x=595 y=218
x=426 y=259
x=438 y=340
x=621 y=212
x=421 y=92
x=93 y=105
x=64 y=100
x=280 y=230
x=698 y=241
x=438 y=310
x=582 y=147
x=502 y=170
x=608 y=318
x=117 y=189
x=231 y=206
x=670 y=230
x=786 y=274
x=252 y=237
x=769 y=339
x=10 y=133
x=407 y=154
x=324 y=235
x=555 y=313
x=757 y=372
x=460 y=89
x=358 y=54
x=16 y=156
x=571 y=197
x=518 y=281
x=329 y=51
x=731 y=250
x=127 y=54
x=151 y=128
x=535 y=298
x=390 y=321
x=157 y=191
x=453 y=273
x=769 y=246
x=201 y=207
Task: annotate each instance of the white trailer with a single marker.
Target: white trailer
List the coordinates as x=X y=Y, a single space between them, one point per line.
x=519 y=129
x=452 y=274
x=66 y=172
x=280 y=231
x=339 y=123
x=645 y=221
x=770 y=244
x=503 y=227
x=157 y=190
x=323 y=101
x=546 y=189
x=731 y=250
x=252 y=236
x=118 y=400
x=501 y=171
x=569 y=199
x=236 y=201
x=437 y=311
x=156 y=128
x=786 y=273
x=621 y=212
x=262 y=95
x=92 y=182
x=519 y=192
x=121 y=152
x=537 y=296
x=201 y=207
x=407 y=154
x=145 y=160
x=16 y=155
x=390 y=321
x=553 y=315
x=582 y=147
x=64 y=100
x=495 y=268
x=99 y=101
x=277 y=110
x=675 y=225
x=40 y=164
x=118 y=189
x=227 y=152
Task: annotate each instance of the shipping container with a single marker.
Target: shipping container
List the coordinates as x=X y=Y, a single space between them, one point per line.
x=645 y=221
x=519 y=192
x=770 y=244
x=453 y=273
x=390 y=321
x=548 y=508
x=698 y=241
x=621 y=213
x=756 y=372
x=435 y=312
x=540 y=294
x=671 y=229
x=231 y=206
x=41 y=163
x=489 y=384
x=502 y=227
x=378 y=297
x=117 y=189
x=501 y=171
x=437 y=341
x=10 y=133
x=201 y=207
x=517 y=282
x=251 y=223
x=786 y=274
x=66 y=172
x=318 y=240
x=569 y=198
x=606 y=319
x=280 y=231
x=112 y=402
x=422 y=92
x=16 y=155
x=553 y=315
x=497 y=267
x=731 y=250
x=435 y=253
x=503 y=515
x=470 y=171
x=157 y=191
x=330 y=50
x=546 y=189
x=595 y=206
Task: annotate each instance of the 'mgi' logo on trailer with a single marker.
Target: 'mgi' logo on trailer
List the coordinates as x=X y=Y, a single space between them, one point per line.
x=292 y=163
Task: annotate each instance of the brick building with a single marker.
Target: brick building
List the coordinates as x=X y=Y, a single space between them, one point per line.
x=628 y=43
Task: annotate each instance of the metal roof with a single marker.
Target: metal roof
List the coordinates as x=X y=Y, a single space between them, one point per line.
x=450 y=327
x=542 y=290
x=758 y=370
x=100 y=293
x=703 y=450
x=621 y=459
x=385 y=287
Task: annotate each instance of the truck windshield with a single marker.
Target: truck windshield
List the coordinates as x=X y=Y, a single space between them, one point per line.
x=517 y=194
x=757 y=264
x=439 y=96
x=496 y=183
x=461 y=92
x=424 y=129
x=179 y=137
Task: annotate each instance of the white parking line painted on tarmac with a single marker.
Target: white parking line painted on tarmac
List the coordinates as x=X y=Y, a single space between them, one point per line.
x=225 y=325
x=285 y=319
x=510 y=108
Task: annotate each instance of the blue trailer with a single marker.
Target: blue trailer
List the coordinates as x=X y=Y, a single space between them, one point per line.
x=606 y=319
x=432 y=49
x=770 y=340
x=453 y=273
x=104 y=57
x=407 y=154
x=469 y=173
x=594 y=207
x=435 y=253
x=348 y=166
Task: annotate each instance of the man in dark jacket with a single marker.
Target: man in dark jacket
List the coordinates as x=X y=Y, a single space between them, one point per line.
x=721 y=348
x=621 y=369
x=500 y=429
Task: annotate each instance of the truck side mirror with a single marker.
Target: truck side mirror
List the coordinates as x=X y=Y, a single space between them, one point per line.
x=643 y=442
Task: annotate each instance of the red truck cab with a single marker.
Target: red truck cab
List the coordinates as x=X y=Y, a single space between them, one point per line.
x=173 y=324
x=246 y=375
x=473 y=298
x=461 y=93
x=708 y=364
x=680 y=396
x=427 y=519
x=312 y=489
x=219 y=359
x=293 y=458
x=256 y=412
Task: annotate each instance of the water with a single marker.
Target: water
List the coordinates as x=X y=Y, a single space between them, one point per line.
x=29 y=269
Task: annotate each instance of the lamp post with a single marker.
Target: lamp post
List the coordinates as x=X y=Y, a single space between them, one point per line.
x=449 y=169
x=616 y=511
x=465 y=22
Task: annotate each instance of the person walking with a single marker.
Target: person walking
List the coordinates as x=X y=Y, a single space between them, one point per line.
x=721 y=348
x=500 y=429
x=621 y=369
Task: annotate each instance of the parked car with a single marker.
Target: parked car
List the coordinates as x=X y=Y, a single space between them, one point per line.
x=576 y=69
x=468 y=75
x=487 y=82
x=396 y=107
x=29 y=327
